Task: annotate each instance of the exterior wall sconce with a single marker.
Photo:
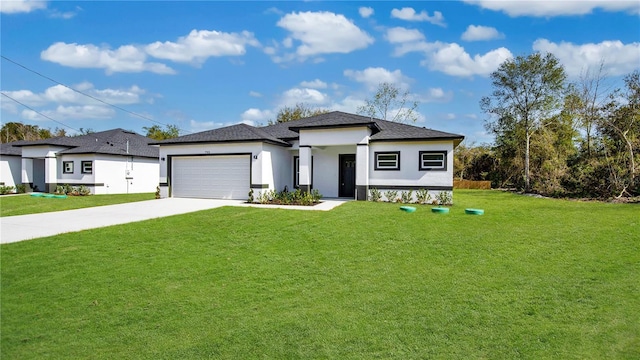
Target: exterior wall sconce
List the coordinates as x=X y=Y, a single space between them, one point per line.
x=255 y=157
x=162 y=158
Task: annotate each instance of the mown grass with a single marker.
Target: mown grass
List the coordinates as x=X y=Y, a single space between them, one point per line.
x=25 y=204
x=531 y=279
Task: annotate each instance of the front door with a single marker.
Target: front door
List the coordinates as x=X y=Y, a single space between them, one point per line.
x=347 y=176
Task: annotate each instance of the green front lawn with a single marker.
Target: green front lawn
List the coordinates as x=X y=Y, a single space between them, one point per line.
x=26 y=204
x=532 y=278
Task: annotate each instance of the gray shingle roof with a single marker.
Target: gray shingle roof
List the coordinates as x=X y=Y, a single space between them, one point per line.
x=234 y=133
x=10 y=150
x=279 y=133
x=112 y=142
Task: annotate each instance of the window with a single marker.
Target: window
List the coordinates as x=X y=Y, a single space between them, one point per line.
x=67 y=167
x=296 y=172
x=387 y=160
x=87 y=167
x=433 y=160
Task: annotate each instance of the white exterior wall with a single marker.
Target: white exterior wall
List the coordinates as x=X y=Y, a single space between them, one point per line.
x=10 y=170
x=409 y=173
x=280 y=170
x=335 y=136
x=77 y=177
x=125 y=175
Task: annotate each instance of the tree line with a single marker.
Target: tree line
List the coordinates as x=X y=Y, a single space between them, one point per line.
x=555 y=137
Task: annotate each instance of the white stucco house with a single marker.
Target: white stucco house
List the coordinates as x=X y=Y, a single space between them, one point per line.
x=10 y=165
x=339 y=154
x=108 y=162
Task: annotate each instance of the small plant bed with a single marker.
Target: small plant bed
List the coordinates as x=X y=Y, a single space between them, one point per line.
x=285 y=197
x=420 y=197
x=72 y=190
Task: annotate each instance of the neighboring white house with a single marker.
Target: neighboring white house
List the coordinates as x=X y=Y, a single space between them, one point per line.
x=109 y=162
x=339 y=154
x=10 y=165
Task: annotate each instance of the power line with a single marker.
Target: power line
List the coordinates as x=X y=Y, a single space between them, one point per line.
x=89 y=96
x=39 y=113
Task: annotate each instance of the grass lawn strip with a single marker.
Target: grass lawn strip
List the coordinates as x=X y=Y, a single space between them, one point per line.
x=531 y=278
x=25 y=204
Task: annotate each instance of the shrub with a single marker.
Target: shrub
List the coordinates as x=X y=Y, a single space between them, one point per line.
x=423 y=196
x=4 y=190
x=158 y=192
x=60 y=190
x=21 y=188
x=83 y=191
x=316 y=196
x=250 y=198
x=376 y=195
x=444 y=198
x=391 y=195
x=68 y=189
x=407 y=196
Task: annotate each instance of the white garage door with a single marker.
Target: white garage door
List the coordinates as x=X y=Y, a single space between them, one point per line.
x=213 y=177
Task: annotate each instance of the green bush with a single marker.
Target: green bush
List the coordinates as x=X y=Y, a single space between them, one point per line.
x=4 y=190
x=376 y=195
x=407 y=196
x=444 y=198
x=391 y=195
x=423 y=196
x=21 y=188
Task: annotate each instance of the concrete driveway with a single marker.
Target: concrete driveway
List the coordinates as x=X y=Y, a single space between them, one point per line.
x=25 y=227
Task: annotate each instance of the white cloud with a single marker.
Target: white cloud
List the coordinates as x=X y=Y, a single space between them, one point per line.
x=303 y=95
x=437 y=95
x=56 y=14
x=619 y=58
x=365 y=12
x=480 y=33
x=80 y=112
x=127 y=58
x=199 y=45
x=349 y=104
x=255 y=94
x=402 y=35
x=315 y=84
x=556 y=8
x=373 y=76
x=409 y=14
x=452 y=59
x=257 y=116
x=21 y=6
x=322 y=33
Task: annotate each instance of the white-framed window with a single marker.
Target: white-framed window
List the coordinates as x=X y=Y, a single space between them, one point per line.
x=433 y=160
x=67 y=167
x=389 y=160
x=296 y=172
x=87 y=167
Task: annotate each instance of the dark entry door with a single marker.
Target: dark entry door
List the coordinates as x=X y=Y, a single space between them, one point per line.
x=347 y=176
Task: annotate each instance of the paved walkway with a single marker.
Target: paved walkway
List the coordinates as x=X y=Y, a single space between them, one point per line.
x=25 y=227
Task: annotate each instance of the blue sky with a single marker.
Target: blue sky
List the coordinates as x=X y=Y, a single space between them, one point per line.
x=206 y=64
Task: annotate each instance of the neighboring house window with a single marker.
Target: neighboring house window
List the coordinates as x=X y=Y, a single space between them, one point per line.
x=87 y=167
x=387 y=160
x=296 y=172
x=433 y=160
x=67 y=167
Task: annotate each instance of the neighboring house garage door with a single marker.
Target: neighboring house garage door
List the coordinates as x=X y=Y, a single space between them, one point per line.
x=213 y=177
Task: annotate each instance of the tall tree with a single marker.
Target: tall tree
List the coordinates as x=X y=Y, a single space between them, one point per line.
x=14 y=131
x=526 y=92
x=388 y=103
x=297 y=112
x=157 y=133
